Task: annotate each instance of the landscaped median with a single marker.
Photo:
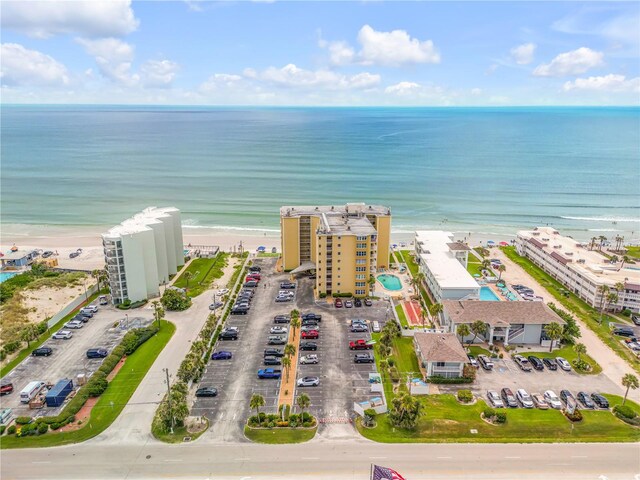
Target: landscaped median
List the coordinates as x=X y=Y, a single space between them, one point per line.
x=200 y=274
x=110 y=403
x=280 y=435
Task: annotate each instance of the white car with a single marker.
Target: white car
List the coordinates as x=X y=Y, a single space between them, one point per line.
x=308 y=382
x=62 y=334
x=89 y=308
x=306 y=359
x=74 y=324
x=223 y=291
x=563 y=364
x=495 y=399
x=286 y=293
x=524 y=398
x=278 y=329
x=552 y=399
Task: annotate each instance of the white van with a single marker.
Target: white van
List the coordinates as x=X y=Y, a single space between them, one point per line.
x=375 y=327
x=30 y=391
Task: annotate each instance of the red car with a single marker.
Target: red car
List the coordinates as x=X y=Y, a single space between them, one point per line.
x=255 y=276
x=311 y=334
x=360 y=345
x=250 y=278
x=6 y=388
x=338 y=303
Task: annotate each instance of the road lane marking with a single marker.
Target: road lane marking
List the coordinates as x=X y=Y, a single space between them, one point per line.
x=579 y=456
x=173 y=460
x=377 y=458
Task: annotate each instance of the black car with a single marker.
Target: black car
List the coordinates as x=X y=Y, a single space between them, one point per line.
x=239 y=311
x=567 y=397
x=255 y=268
x=363 y=358
x=624 y=332
x=585 y=399
x=287 y=286
x=599 y=400
x=509 y=398
x=357 y=302
x=368 y=302
x=309 y=323
x=86 y=313
x=47 y=254
x=273 y=352
x=42 y=352
x=311 y=316
x=272 y=360
x=282 y=319
x=308 y=346
x=536 y=363
x=206 y=392
x=81 y=318
x=229 y=334
x=550 y=363
x=97 y=353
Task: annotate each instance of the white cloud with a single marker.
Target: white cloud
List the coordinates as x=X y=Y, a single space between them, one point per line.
x=220 y=80
x=158 y=73
x=574 y=62
x=394 y=48
x=523 y=54
x=606 y=83
x=91 y=18
x=619 y=23
x=340 y=53
x=292 y=76
x=476 y=91
x=114 y=58
x=402 y=88
x=21 y=66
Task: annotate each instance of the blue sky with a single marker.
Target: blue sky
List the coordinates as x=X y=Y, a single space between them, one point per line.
x=321 y=53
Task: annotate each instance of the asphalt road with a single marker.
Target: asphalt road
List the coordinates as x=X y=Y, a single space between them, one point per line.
x=325 y=460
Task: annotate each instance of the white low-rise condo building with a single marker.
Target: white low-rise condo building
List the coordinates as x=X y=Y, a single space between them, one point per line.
x=579 y=269
x=444 y=265
x=142 y=252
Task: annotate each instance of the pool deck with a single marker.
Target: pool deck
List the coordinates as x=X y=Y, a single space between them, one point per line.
x=406 y=290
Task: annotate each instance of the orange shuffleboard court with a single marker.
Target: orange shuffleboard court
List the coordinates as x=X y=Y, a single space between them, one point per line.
x=412 y=309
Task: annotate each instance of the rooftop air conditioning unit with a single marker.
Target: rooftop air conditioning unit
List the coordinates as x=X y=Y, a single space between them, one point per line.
x=545 y=239
x=568 y=254
x=535 y=234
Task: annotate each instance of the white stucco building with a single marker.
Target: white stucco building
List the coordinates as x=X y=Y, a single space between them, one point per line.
x=444 y=265
x=579 y=269
x=142 y=252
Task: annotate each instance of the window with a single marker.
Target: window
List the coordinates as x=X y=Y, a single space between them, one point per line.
x=440 y=364
x=361 y=238
x=359 y=277
x=361 y=254
x=359 y=292
x=360 y=284
x=361 y=262
x=361 y=269
x=361 y=245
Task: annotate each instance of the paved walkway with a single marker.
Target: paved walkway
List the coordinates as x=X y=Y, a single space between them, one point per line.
x=612 y=365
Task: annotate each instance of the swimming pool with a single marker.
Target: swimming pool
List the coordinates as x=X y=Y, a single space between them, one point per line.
x=486 y=294
x=390 y=282
x=6 y=275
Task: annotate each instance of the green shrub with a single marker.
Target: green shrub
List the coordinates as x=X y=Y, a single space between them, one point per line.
x=11 y=430
x=624 y=411
x=43 y=428
x=323 y=295
x=391 y=362
x=342 y=295
x=2 y=429
x=394 y=374
x=448 y=381
x=576 y=416
x=174 y=300
x=23 y=420
x=465 y=396
x=500 y=417
x=97 y=386
x=11 y=347
x=55 y=426
x=489 y=413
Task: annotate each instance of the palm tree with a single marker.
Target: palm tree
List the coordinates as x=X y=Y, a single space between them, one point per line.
x=602 y=290
x=501 y=268
x=580 y=350
x=612 y=299
x=478 y=328
x=593 y=242
x=629 y=381
x=158 y=311
x=625 y=259
x=602 y=239
x=486 y=264
x=96 y=274
x=554 y=331
x=423 y=315
x=463 y=331
x=619 y=240
x=295 y=322
x=289 y=350
x=303 y=401
x=614 y=259
x=187 y=276
x=372 y=284
x=286 y=364
x=256 y=402
x=435 y=310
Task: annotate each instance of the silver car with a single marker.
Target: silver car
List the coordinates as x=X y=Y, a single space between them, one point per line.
x=307 y=359
x=62 y=335
x=278 y=329
x=524 y=398
x=563 y=364
x=308 y=382
x=494 y=399
x=553 y=400
x=74 y=324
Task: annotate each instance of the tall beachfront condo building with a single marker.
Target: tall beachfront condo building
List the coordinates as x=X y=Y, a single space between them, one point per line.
x=344 y=244
x=581 y=270
x=444 y=265
x=142 y=252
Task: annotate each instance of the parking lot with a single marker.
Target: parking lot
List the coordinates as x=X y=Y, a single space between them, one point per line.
x=69 y=359
x=341 y=380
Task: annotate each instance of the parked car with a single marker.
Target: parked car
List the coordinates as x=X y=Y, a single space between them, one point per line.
x=223 y=291
x=567 y=397
x=485 y=362
x=287 y=285
x=250 y=284
x=309 y=359
x=281 y=319
x=62 y=335
x=42 y=352
x=74 y=324
x=473 y=362
x=282 y=299
x=539 y=401
x=368 y=302
x=509 y=398
x=255 y=268
x=494 y=399
x=357 y=302
x=348 y=304
x=215 y=306
x=308 y=382
x=90 y=309
x=103 y=300
x=80 y=318
x=97 y=353
x=311 y=316
x=278 y=330
x=277 y=340
x=563 y=364
x=338 y=303
x=309 y=323
x=6 y=388
x=360 y=344
x=522 y=362
x=536 y=363
x=585 y=400
x=229 y=333
x=363 y=358
x=47 y=254
x=206 y=392
x=309 y=334
x=635 y=319
x=552 y=399
x=375 y=326
x=550 y=363
x=624 y=332
x=221 y=355
x=599 y=400
x=524 y=398
x=267 y=373
x=359 y=328
x=269 y=360
x=85 y=313
x=273 y=352
x=239 y=310
x=308 y=346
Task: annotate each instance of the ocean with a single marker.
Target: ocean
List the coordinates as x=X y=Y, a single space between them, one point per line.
x=483 y=170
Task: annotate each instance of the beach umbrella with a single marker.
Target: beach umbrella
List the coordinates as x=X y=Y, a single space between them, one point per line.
x=476 y=274
x=504 y=244
x=491 y=242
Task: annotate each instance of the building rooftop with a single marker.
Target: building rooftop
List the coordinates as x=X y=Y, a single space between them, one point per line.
x=458 y=246
x=441 y=260
x=337 y=224
x=139 y=222
x=349 y=209
x=440 y=347
x=17 y=255
x=498 y=313
x=577 y=256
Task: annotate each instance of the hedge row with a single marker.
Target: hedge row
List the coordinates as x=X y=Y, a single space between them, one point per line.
x=626 y=414
x=448 y=381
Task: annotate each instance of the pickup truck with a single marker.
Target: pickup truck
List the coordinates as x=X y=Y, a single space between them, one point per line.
x=360 y=345
x=269 y=373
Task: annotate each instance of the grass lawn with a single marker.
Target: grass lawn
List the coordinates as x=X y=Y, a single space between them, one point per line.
x=179 y=434
x=476 y=350
x=568 y=354
x=617 y=400
x=203 y=272
x=111 y=402
x=279 y=435
x=413 y=269
x=405 y=356
x=474 y=267
x=25 y=352
x=633 y=252
x=268 y=255
x=577 y=306
x=402 y=317
x=447 y=421
x=391 y=259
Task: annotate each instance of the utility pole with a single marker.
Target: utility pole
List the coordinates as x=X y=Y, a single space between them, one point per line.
x=166 y=371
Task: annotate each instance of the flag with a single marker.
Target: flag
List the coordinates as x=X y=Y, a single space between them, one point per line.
x=384 y=473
